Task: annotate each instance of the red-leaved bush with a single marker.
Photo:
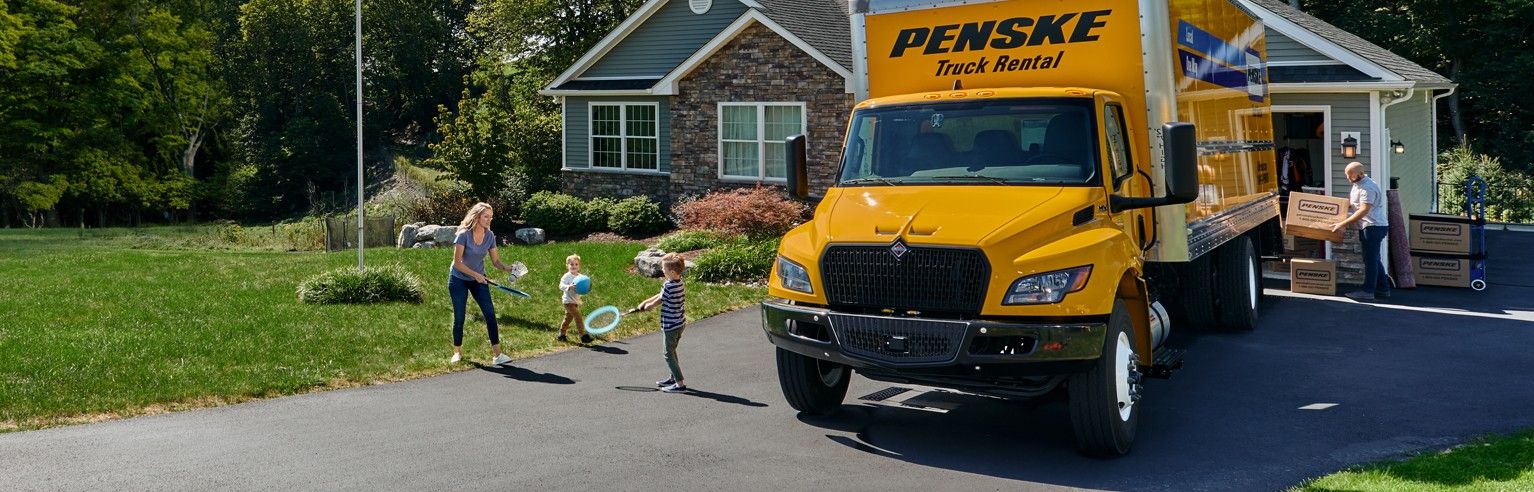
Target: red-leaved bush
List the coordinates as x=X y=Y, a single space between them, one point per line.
x=752 y=211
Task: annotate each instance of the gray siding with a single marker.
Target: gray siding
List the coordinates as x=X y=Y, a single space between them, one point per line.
x=1283 y=49
x=1350 y=113
x=1411 y=123
x=578 y=128
x=664 y=40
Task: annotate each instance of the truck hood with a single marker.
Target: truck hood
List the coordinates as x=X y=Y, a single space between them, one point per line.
x=947 y=215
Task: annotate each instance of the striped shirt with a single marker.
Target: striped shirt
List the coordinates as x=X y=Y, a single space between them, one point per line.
x=673 y=305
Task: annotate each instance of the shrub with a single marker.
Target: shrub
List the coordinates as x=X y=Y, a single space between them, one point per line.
x=754 y=211
x=637 y=215
x=372 y=285
x=557 y=213
x=741 y=261
x=684 y=241
x=597 y=213
x=1509 y=193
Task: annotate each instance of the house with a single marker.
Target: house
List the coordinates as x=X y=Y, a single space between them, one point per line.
x=687 y=97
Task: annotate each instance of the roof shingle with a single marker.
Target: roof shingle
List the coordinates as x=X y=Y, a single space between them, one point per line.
x=1351 y=42
x=824 y=24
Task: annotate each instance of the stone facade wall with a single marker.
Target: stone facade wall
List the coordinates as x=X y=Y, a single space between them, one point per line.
x=592 y=184
x=757 y=66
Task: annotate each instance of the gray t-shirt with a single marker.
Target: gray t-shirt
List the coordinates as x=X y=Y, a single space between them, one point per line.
x=1367 y=191
x=473 y=254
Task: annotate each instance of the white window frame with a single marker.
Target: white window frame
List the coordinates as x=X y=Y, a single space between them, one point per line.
x=622 y=136
x=761 y=135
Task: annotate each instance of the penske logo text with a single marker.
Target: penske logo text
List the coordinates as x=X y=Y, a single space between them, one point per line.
x=1316 y=275
x=1319 y=207
x=1439 y=265
x=1003 y=34
x=1439 y=229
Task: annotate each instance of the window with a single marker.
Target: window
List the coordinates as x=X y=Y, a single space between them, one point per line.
x=625 y=136
x=751 y=138
x=1118 y=144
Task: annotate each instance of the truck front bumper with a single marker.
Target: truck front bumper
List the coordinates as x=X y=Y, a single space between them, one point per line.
x=970 y=348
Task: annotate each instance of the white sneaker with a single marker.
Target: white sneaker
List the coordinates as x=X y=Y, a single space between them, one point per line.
x=500 y=360
x=455 y=359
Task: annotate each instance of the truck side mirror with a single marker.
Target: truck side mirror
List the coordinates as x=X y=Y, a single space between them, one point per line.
x=797 y=166
x=1179 y=147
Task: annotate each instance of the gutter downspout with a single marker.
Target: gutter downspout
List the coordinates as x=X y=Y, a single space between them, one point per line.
x=1435 y=142
x=1387 y=150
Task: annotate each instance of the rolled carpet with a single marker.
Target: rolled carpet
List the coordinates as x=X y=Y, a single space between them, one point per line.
x=1400 y=247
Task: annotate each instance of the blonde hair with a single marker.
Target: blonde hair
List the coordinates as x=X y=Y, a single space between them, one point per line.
x=473 y=216
x=672 y=262
x=574 y=258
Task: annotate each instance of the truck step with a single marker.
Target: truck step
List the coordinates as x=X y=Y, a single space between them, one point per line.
x=1164 y=362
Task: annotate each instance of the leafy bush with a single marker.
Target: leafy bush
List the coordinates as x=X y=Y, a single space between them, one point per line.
x=637 y=215
x=1509 y=193
x=598 y=210
x=684 y=241
x=755 y=211
x=741 y=261
x=557 y=213
x=372 y=285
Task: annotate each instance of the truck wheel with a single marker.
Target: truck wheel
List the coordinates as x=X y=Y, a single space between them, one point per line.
x=1197 y=299
x=812 y=385
x=1238 y=283
x=1102 y=399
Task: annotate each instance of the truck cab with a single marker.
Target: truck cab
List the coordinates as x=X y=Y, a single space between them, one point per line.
x=1005 y=240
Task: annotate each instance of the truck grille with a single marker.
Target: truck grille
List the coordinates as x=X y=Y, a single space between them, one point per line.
x=920 y=341
x=925 y=279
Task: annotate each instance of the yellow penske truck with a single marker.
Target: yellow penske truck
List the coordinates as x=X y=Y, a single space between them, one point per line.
x=1027 y=190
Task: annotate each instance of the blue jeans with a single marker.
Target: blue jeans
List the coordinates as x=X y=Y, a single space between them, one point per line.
x=1376 y=277
x=459 y=289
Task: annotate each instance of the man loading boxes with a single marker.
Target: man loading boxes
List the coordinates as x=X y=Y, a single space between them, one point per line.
x=1367 y=201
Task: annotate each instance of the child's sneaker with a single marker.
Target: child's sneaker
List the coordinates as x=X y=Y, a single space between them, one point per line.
x=500 y=359
x=585 y=338
x=674 y=388
x=562 y=338
x=665 y=383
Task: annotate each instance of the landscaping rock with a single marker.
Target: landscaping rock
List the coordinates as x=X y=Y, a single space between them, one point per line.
x=530 y=235
x=426 y=233
x=425 y=244
x=647 y=263
x=445 y=234
x=406 y=236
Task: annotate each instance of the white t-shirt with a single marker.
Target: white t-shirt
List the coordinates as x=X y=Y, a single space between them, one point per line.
x=567 y=286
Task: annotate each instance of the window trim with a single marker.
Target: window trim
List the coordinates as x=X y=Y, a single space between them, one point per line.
x=761 y=137
x=1129 y=158
x=622 y=136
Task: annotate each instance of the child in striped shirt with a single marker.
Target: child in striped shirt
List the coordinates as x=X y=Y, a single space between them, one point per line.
x=673 y=318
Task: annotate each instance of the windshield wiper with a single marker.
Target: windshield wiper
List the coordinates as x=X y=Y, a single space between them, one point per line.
x=870 y=179
x=992 y=179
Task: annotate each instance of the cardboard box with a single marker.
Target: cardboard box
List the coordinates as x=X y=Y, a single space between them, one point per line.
x=1312 y=216
x=1445 y=234
x=1448 y=270
x=1313 y=277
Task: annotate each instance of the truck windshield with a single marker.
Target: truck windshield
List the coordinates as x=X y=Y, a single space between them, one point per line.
x=1022 y=142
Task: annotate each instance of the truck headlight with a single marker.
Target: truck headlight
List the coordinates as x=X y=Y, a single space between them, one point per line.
x=1047 y=288
x=793 y=276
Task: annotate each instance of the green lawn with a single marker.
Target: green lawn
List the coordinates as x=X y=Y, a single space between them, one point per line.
x=124 y=322
x=1491 y=464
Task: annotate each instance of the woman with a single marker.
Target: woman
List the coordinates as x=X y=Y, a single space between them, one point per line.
x=467 y=276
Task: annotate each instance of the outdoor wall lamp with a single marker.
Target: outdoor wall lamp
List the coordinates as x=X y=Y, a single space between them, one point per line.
x=1349 y=147
x=1398 y=147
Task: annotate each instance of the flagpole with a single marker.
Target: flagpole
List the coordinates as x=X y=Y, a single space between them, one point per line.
x=360 y=235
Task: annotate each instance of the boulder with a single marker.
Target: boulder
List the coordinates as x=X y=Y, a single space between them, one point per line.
x=426 y=233
x=530 y=235
x=445 y=234
x=425 y=244
x=647 y=262
x=407 y=236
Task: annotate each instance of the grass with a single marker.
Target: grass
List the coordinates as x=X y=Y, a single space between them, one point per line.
x=1503 y=463
x=103 y=326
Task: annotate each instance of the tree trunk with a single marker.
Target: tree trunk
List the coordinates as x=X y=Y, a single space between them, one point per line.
x=1454 y=115
x=5 y=213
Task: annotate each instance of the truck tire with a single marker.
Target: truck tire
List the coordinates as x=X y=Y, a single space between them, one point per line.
x=812 y=385
x=1238 y=284
x=1102 y=399
x=1197 y=300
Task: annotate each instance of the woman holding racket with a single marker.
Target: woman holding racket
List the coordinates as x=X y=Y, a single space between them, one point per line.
x=466 y=277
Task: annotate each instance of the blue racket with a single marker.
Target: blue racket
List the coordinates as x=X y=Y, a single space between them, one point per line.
x=508 y=290
x=604 y=319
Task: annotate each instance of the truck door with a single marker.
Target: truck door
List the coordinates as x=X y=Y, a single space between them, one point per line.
x=1121 y=171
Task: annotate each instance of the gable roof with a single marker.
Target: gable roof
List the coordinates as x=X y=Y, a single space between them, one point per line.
x=1343 y=43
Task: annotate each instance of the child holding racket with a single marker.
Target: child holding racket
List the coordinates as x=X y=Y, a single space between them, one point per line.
x=572 y=300
x=673 y=318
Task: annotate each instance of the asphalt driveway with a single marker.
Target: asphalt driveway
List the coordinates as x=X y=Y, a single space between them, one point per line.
x=1427 y=369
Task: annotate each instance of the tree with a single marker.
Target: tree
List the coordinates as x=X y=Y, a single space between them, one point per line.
x=176 y=58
